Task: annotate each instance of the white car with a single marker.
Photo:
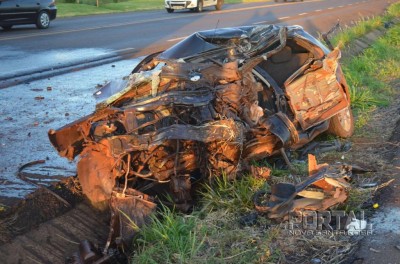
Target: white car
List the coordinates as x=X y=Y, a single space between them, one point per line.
x=194 y=5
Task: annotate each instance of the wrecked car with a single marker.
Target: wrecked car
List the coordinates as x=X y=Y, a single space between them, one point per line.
x=209 y=105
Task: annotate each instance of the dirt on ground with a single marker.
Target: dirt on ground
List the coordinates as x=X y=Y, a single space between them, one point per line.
x=384 y=245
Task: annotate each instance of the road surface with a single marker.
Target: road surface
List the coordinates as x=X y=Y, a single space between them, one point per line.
x=74 y=41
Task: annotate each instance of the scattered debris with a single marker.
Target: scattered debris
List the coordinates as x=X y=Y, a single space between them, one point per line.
x=26 y=179
x=316 y=261
x=36 y=89
x=249 y=219
x=325 y=187
x=374 y=250
x=368 y=185
x=39 y=98
x=262 y=172
x=49 y=88
x=321 y=147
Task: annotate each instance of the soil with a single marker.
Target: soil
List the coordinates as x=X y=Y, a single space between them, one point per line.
x=48 y=225
x=384 y=245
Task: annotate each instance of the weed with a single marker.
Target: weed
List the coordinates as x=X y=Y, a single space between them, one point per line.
x=170 y=238
x=230 y=195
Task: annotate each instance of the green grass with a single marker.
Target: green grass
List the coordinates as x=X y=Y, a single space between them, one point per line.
x=170 y=238
x=215 y=237
x=364 y=26
x=231 y=195
x=370 y=75
x=68 y=8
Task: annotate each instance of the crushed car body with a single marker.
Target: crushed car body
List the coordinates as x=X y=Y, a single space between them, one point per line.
x=209 y=105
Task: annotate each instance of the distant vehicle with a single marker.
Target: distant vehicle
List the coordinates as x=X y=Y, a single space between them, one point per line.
x=193 y=5
x=22 y=12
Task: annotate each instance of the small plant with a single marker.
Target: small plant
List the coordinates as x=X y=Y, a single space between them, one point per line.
x=230 y=195
x=170 y=238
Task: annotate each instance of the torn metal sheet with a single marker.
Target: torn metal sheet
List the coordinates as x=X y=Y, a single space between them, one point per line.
x=326 y=186
x=208 y=105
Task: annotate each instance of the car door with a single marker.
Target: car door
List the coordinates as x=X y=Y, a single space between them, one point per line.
x=28 y=9
x=317 y=95
x=8 y=11
x=209 y=2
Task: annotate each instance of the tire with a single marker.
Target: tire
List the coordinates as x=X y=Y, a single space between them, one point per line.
x=219 y=4
x=199 y=7
x=169 y=10
x=342 y=124
x=5 y=28
x=43 y=20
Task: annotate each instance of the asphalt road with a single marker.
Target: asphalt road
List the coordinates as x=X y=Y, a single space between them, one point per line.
x=81 y=39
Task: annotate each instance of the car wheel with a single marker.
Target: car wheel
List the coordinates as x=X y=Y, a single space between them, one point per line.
x=199 y=7
x=43 y=20
x=6 y=27
x=218 y=6
x=169 y=10
x=342 y=124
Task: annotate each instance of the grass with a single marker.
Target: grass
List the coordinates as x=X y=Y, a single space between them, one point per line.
x=214 y=232
x=171 y=238
x=362 y=27
x=231 y=195
x=68 y=8
x=369 y=76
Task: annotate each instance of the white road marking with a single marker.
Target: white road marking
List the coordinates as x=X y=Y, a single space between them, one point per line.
x=318 y=10
x=91 y=28
x=258 y=7
x=280 y=18
x=302 y=14
x=330 y=8
x=340 y=6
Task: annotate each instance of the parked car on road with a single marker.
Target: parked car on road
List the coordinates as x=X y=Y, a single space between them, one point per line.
x=193 y=5
x=22 y=12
